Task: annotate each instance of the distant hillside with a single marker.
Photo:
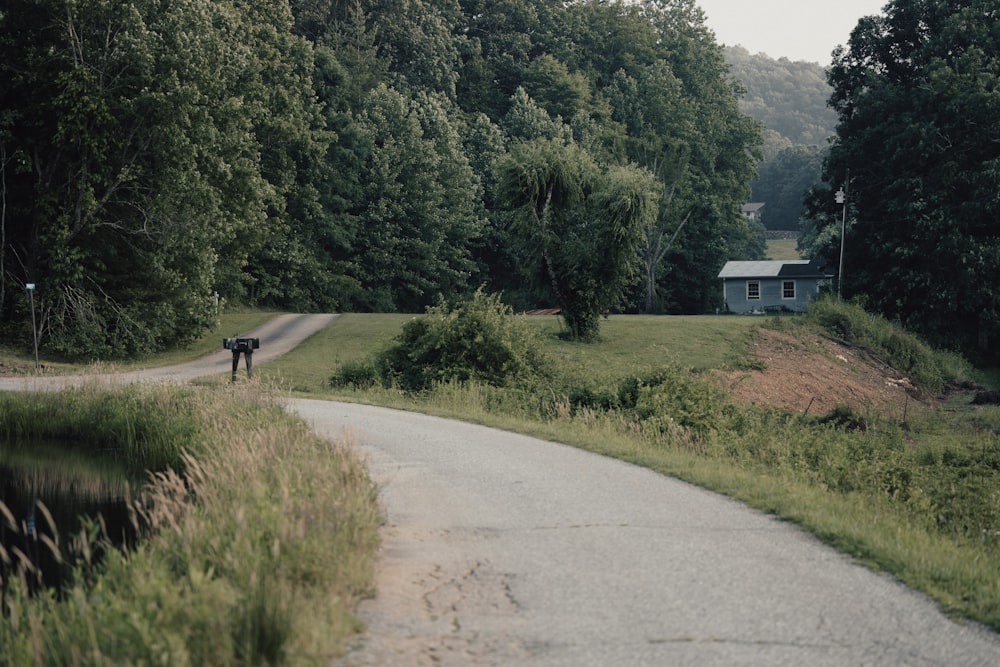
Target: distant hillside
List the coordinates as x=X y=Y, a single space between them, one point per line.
x=788 y=97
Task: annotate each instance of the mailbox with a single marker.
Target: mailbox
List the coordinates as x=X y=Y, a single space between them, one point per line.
x=241 y=344
x=245 y=346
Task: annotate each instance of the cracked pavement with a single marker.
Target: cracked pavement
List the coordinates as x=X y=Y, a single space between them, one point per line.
x=500 y=549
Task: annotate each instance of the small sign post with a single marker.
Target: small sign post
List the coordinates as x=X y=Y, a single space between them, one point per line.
x=30 y=287
x=244 y=345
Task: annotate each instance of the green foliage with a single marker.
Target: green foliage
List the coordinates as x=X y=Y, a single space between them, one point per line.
x=914 y=92
x=580 y=226
x=478 y=340
x=421 y=202
x=136 y=169
x=928 y=368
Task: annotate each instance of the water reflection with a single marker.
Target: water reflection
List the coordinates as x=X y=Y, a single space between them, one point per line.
x=47 y=495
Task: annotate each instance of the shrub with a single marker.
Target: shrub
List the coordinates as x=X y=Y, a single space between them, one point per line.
x=359 y=374
x=479 y=340
x=660 y=401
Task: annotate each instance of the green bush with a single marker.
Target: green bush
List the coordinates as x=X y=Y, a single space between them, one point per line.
x=479 y=340
x=659 y=401
x=359 y=374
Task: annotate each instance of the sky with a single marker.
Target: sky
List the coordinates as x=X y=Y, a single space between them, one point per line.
x=795 y=29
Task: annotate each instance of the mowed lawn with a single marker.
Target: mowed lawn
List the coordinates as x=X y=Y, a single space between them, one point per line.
x=629 y=345
x=783 y=249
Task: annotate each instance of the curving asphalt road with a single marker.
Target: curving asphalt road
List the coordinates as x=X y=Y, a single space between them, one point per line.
x=501 y=549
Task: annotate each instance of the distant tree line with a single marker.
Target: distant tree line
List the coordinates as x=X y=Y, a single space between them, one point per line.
x=159 y=157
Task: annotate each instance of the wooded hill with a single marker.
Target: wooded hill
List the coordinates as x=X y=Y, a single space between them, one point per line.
x=309 y=155
x=791 y=99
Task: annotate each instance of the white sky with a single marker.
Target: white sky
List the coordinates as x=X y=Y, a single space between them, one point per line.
x=794 y=29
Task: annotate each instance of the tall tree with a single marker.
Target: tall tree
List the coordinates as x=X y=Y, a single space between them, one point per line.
x=134 y=166
x=289 y=260
x=672 y=94
x=419 y=209
x=501 y=39
x=917 y=92
x=419 y=41
x=581 y=225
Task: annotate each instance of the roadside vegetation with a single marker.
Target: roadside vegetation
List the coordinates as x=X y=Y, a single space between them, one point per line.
x=242 y=491
x=258 y=535
x=919 y=498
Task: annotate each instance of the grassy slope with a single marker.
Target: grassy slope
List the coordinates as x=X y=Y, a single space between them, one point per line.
x=782 y=249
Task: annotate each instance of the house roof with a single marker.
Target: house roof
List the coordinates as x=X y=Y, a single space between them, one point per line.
x=752 y=207
x=800 y=268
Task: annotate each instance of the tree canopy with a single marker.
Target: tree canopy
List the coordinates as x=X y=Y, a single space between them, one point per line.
x=917 y=93
x=159 y=158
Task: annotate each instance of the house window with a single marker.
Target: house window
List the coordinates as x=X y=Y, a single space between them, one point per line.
x=788 y=289
x=753 y=290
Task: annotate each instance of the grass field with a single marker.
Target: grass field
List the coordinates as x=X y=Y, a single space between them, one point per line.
x=629 y=344
x=782 y=249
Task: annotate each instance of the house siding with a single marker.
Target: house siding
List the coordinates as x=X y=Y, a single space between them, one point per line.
x=771 y=294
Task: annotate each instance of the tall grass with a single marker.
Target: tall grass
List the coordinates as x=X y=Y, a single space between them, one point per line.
x=256 y=546
x=929 y=368
x=140 y=428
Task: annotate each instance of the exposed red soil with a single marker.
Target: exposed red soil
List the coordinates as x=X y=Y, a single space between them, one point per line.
x=811 y=373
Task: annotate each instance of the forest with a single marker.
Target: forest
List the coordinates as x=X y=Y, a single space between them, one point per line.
x=162 y=160
x=158 y=159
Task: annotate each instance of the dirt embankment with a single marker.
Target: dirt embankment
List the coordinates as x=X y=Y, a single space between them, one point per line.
x=810 y=373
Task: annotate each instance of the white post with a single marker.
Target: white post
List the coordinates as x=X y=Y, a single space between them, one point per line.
x=34 y=330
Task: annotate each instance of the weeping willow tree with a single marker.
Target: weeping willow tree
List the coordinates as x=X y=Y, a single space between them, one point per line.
x=580 y=226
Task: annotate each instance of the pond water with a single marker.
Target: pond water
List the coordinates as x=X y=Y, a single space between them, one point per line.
x=48 y=492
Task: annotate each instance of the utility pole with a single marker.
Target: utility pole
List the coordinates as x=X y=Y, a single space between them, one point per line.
x=841 y=196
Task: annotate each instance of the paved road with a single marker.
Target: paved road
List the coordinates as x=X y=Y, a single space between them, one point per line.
x=501 y=549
